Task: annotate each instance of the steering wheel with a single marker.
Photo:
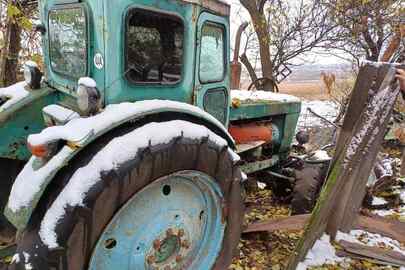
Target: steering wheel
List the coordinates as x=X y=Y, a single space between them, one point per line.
x=258 y=84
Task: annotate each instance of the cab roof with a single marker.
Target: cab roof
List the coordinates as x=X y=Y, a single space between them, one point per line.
x=218 y=6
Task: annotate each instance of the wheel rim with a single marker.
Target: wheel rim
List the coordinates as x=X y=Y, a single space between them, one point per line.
x=174 y=223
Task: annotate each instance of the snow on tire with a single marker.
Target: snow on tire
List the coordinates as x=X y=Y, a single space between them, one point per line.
x=84 y=197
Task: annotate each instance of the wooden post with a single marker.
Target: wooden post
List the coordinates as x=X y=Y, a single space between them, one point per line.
x=355 y=154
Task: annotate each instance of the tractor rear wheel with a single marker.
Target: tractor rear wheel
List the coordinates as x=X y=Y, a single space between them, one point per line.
x=309 y=181
x=9 y=170
x=173 y=205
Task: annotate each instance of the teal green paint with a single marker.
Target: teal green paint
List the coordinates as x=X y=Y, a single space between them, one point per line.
x=21 y=218
x=21 y=120
x=263 y=109
x=200 y=87
x=106 y=33
x=284 y=115
x=7 y=251
x=261 y=165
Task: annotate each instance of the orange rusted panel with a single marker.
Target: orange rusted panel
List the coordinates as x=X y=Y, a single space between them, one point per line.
x=251 y=133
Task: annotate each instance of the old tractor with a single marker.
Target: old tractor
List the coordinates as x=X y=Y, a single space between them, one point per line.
x=125 y=150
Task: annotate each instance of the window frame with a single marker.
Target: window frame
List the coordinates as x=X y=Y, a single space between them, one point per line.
x=225 y=56
x=87 y=41
x=128 y=78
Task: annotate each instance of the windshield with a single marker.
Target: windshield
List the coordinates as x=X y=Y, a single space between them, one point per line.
x=68 y=42
x=154 y=47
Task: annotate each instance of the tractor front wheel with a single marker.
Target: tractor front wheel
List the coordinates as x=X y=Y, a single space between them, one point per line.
x=173 y=205
x=9 y=170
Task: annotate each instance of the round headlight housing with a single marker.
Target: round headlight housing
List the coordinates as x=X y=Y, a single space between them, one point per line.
x=88 y=97
x=32 y=75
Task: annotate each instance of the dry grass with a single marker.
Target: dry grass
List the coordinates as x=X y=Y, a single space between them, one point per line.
x=305 y=90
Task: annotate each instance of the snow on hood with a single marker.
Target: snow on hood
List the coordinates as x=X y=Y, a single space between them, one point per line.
x=13 y=94
x=116 y=153
x=245 y=95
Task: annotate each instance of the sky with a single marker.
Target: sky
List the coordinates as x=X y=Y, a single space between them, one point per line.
x=238 y=13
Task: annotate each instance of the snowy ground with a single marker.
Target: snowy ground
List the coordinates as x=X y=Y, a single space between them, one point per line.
x=326 y=109
x=324 y=252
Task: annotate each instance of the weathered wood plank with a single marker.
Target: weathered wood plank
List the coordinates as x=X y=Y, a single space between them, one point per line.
x=389 y=256
x=384 y=226
x=370 y=78
x=343 y=253
x=365 y=145
x=288 y=223
x=374 y=224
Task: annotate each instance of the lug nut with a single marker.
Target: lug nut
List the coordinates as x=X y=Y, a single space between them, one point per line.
x=150 y=259
x=156 y=244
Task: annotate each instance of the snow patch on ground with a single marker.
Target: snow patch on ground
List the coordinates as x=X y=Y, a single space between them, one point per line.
x=371 y=239
x=326 y=109
x=323 y=252
x=245 y=95
x=320 y=155
x=13 y=94
x=378 y=201
x=116 y=153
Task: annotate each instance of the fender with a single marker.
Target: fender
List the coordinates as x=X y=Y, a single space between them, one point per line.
x=78 y=133
x=21 y=115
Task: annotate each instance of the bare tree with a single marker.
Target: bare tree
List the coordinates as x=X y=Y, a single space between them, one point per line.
x=283 y=31
x=364 y=27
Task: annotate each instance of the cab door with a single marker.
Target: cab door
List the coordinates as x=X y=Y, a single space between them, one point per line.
x=212 y=79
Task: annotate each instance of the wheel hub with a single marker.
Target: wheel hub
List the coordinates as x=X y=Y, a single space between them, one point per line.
x=174 y=223
x=169 y=250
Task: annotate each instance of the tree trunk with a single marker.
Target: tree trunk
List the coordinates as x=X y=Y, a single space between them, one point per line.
x=9 y=54
x=262 y=30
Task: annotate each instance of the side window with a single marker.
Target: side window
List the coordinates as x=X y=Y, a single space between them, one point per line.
x=154 y=47
x=212 y=57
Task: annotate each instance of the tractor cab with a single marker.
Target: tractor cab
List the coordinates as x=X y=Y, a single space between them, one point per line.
x=139 y=50
x=122 y=151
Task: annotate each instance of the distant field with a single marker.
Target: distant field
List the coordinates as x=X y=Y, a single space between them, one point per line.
x=307 y=90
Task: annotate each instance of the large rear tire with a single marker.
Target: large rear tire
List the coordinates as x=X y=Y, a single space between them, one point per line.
x=151 y=182
x=9 y=170
x=309 y=181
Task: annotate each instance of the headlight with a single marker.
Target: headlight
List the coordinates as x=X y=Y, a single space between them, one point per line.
x=32 y=75
x=88 y=97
